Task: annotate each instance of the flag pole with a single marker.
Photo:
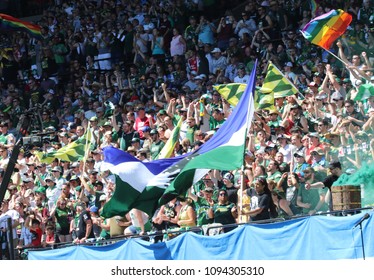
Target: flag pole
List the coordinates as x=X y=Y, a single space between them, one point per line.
x=250 y=108
x=88 y=143
x=337 y=57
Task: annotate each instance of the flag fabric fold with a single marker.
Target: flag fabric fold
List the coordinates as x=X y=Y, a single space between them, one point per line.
x=325 y=29
x=224 y=151
x=147 y=185
x=138 y=184
x=72 y=152
x=14 y=24
x=168 y=149
x=278 y=83
x=232 y=92
x=364 y=92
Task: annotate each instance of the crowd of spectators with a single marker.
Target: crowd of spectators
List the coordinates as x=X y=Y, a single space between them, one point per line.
x=157 y=61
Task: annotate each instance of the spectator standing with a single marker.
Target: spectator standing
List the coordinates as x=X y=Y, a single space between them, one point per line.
x=223 y=212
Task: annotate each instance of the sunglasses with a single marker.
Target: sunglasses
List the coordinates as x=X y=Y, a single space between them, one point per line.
x=222 y=194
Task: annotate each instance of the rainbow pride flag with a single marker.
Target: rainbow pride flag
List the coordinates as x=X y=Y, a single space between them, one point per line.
x=325 y=29
x=14 y=24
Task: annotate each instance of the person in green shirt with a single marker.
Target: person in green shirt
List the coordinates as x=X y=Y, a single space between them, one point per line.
x=273 y=171
x=313 y=199
x=223 y=212
x=191 y=128
x=6 y=139
x=156 y=145
x=202 y=204
x=216 y=119
x=60 y=214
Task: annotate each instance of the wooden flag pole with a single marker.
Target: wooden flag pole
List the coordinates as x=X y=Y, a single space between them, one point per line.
x=337 y=57
x=88 y=143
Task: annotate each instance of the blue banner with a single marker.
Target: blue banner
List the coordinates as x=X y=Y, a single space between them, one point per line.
x=310 y=238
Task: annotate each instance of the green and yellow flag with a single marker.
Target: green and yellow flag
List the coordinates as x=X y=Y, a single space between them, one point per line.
x=231 y=92
x=168 y=149
x=278 y=83
x=264 y=98
x=72 y=152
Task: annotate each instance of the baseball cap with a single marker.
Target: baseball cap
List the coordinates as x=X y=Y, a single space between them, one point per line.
x=57 y=169
x=146 y=129
x=273 y=111
x=228 y=176
x=282 y=136
x=216 y=50
x=29 y=192
x=27 y=180
x=298 y=154
x=94 y=209
x=153 y=131
x=49 y=178
x=335 y=164
x=313 y=134
x=289 y=64
x=260 y=151
x=321 y=96
x=318 y=151
x=312 y=84
x=73 y=178
x=94 y=171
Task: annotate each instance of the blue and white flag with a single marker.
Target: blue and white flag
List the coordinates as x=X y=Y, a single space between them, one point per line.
x=146 y=186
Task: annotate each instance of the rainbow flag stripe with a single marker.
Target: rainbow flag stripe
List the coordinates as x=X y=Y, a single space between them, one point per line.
x=14 y=24
x=325 y=29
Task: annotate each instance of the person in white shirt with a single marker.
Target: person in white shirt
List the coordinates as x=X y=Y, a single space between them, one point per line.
x=242 y=77
x=288 y=72
x=245 y=25
x=218 y=62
